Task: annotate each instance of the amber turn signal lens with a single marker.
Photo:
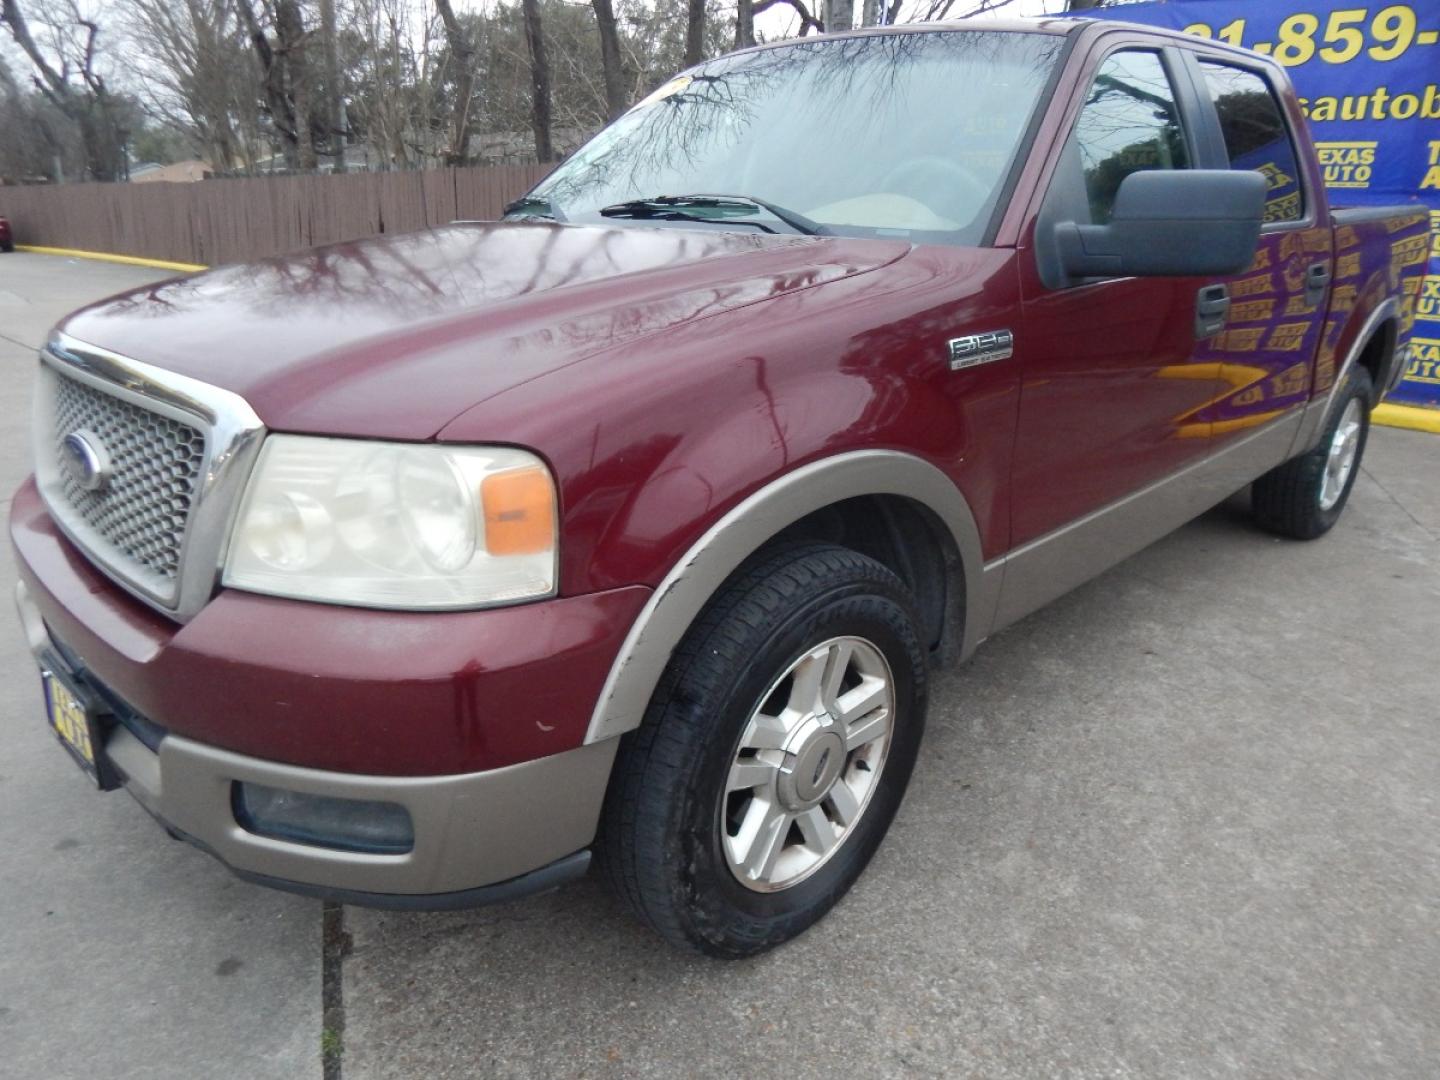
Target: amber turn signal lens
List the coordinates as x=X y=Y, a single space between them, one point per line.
x=519 y=511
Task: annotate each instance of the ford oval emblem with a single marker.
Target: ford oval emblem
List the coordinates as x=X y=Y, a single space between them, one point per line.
x=86 y=460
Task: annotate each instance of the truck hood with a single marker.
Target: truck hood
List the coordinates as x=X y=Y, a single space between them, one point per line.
x=395 y=336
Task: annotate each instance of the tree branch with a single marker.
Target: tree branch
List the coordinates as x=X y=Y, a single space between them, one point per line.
x=807 y=21
x=10 y=15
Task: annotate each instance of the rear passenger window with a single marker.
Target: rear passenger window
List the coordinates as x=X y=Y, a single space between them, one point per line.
x=1256 y=136
x=1129 y=124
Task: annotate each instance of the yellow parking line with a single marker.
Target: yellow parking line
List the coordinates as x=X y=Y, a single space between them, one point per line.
x=1407 y=416
x=102 y=256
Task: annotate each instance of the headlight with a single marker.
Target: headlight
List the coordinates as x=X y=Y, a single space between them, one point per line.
x=395 y=525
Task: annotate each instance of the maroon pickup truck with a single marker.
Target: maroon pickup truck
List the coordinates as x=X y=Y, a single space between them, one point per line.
x=408 y=572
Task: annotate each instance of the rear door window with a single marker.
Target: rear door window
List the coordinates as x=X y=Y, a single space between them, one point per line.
x=1256 y=136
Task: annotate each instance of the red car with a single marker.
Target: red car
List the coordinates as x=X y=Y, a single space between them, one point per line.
x=408 y=572
x=7 y=238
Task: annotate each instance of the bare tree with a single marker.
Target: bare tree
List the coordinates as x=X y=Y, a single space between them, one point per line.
x=412 y=82
x=744 y=23
x=284 y=73
x=86 y=101
x=386 y=71
x=29 y=144
x=539 y=80
x=197 y=78
x=808 y=21
x=935 y=10
x=293 y=41
x=462 y=52
x=694 y=32
x=334 y=89
x=403 y=81
x=616 y=100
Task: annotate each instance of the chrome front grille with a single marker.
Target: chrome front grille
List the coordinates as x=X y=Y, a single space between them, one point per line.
x=155 y=466
x=142 y=469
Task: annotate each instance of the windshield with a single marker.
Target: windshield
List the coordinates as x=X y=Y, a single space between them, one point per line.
x=899 y=135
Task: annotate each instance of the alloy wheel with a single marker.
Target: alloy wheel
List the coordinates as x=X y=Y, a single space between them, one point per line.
x=807 y=763
x=1340 y=462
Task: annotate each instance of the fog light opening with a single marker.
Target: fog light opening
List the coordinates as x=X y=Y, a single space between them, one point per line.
x=359 y=825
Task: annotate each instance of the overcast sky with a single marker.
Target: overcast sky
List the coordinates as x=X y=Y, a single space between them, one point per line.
x=783 y=22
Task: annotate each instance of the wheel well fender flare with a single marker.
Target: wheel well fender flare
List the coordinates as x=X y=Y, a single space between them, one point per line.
x=744 y=529
x=1382 y=322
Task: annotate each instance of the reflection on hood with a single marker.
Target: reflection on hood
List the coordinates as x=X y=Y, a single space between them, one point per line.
x=429 y=323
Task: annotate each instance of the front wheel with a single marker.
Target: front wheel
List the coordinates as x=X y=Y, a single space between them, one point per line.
x=774 y=755
x=1303 y=498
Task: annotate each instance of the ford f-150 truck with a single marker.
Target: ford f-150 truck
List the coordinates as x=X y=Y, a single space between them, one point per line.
x=411 y=571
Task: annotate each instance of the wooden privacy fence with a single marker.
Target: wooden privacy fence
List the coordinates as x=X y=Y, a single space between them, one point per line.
x=226 y=221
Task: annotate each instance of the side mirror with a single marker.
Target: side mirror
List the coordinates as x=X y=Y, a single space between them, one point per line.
x=1171 y=223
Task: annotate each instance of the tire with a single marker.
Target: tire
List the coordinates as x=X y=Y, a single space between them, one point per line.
x=8 y=246
x=1303 y=498
x=676 y=835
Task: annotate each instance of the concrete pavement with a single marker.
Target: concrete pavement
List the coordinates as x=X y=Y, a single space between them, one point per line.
x=1183 y=823
x=123 y=954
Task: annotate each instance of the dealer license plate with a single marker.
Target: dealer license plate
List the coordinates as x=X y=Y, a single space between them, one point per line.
x=74 y=725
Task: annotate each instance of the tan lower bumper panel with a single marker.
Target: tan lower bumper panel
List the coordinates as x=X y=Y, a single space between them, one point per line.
x=478 y=837
x=546 y=879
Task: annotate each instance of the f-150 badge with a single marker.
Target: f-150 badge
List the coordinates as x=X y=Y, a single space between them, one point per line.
x=974 y=349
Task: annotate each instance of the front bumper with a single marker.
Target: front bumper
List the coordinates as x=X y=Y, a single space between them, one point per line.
x=389 y=693
x=474 y=722
x=478 y=837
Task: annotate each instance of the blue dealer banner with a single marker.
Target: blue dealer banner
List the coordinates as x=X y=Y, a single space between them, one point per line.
x=1369 y=79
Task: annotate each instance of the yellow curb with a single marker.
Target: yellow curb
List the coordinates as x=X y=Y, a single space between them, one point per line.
x=128 y=260
x=1407 y=416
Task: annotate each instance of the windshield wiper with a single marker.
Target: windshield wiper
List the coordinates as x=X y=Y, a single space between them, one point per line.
x=674 y=207
x=534 y=206
x=670 y=208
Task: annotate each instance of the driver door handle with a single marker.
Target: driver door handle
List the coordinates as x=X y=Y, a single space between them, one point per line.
x=1212 y=304
x=1317 y=277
